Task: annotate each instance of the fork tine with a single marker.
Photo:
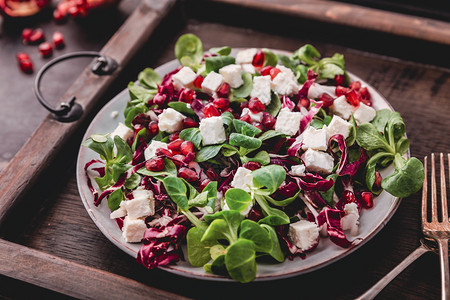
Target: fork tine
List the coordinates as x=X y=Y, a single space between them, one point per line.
x=425 y=192
x=434 y=212
x=443 y=192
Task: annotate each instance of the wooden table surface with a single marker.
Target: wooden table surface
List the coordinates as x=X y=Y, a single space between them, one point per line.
x=53 y=219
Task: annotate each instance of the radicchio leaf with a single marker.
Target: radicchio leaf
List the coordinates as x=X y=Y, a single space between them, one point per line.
x=339 y=138
x=197 y=107
x=312 y=182
x=349 y=171
x=332 y=219
x=287 y=102
x=308 y=118
x=303 y=92
x=315 y=198
x=100 y=171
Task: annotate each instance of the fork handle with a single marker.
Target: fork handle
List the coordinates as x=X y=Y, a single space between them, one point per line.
x=443 y=259
x=380 y=285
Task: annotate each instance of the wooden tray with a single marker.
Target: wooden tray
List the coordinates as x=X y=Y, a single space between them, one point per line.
x=51 y=247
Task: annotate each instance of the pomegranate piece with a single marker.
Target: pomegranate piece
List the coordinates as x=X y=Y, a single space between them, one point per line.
x=26 y=66
x=266 y=70
x=349 y=197
x=274 y=72
x=36 y=37
x=163 y=152
x=268 y=121
x=355 y=85
x=340 y=90
x=339 y=79
x=365 y=94
x=304 y=102
x=159 y=99
x=198 y=81
x=22 y=56
x=258 y=59
x=367 y=199
x=58 y=40
x=224 y=90
x=246 y=118
x=189 y=123
x=19 y=9
x=259 y=126
x=187 y=95
x=153 y=128
x=221 y=103
x=377 y=182
x=326 y=99
x=252 y=165
x=155 y=164
x=211 y=111
x=46 y=49
x=204 y=183
x=352 y=97
x=174 y=136
x=188 y=174
x=187 y=147
x=255 y=105
x=26 y=33
x=175 y=145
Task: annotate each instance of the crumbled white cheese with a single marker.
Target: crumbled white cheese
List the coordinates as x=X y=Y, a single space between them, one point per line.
x=304 y=234
x=254 y=117
x=298 y=170
x=288 y=122
x=170 y=120
x=246 y=56
x=232 y=75
x=315 y=139
x=338 y=126
x=120 y=212
x=142 y=205
x=133 y=230
x=364 y=114
x=287 y=71
x=151 y=149
x=212 y=131
x=243 y=179
x=212 y=82
x=184 y=78
x=283 y=84
x=315 y=90
x=248 y=68
x=342 y=108
x=114 y=114
x=318 y=161
x=350 y=220
x=122 y=131
x=261 y=89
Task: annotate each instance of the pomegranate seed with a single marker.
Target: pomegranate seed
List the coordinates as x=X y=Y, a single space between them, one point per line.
x=266 y=70
x=246 y=118
x=365 y=94
x=221 y=103
x=174 y=136
x=153 y=128
x=349 y=197
x=198 y=81
x=26 y=66
x=26 y=33
x=255 y=105
x=304 y=102
x=274 y=72
x=210 y=111
x=258 y=125
x=58 y=40
x=243 y=105
x=22 y=56
x=137 y=128
x=339 y=79
x=224 y=90
x=46 y=49
x=159 y=99
x=36 y=37
x=188 y=174
x=163 y=152
x=189 y=123
x=175 y=145
x=255 y=215
x=59 y=16
x=178 y=160
x=186 y=95
x=367 y=199
x=377 y=182
x=258 y=59
x=352 y=97
x=252 y=165
x=355 y=85
x=187 y=147
x=73 y=11
x=204 y=183
x=340 y=90
x=366 y=102
x=326 y=99
x=155 y=164
x=268 y=121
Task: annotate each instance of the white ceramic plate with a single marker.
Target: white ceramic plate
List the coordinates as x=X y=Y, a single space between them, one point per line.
x=371 y=220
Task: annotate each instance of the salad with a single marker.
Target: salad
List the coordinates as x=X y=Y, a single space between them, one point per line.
x=246 y=157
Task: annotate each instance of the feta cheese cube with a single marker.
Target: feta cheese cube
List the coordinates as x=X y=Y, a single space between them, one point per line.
x=287 y=71
x=248 y=68
x=133 y=230
x=315 y=139
x=170 y=120
x=184 y=78
x=338 y=126
x=151 y=149
x=243 y=179
x=288 y=122
x=254 y=117
x=142 y=205
x=342 y=108
x=304 y=234
x=212 y=82
x=315 y=90
x=350 y=220
x=283 y=84
x=122 y=131
x=212 y=131
x=298 y=170
x=364 y=114
x=318 y=161
x=261 y=89
x=232 y=75
x=246 y=56
x=120 y=212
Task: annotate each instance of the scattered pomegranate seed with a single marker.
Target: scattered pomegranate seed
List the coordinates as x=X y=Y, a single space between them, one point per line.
x=349 y=197
x=155 y=164
x=340 y=90
x=58 y=40
x=367 y=199
x=258 y=59
x=304 y=102
x=26 y=33
x=377 y=182
x=326 y=99
x=243 y=105
x=178 y=160
x=339 y=79
x=274 y=72
x=36 y=37
x=187 y=147
x=187 y=95
x=22 y=56
x=153 y=128
x=352 y=97
x=26 y=66
x=224 y=90
x=198 y=81
x=175 y=145
x=189 y=123
x=268 y=121
x=355 y=85
x=252 y=165
x=221 y=103
x=266 y=70
x=210 y=111
x=366 y=102
x=258 y=125
x=163 y=152
x=255 y=105
x=174 y=136
x=137 y=128
x=188 y=174
x=58 y=16
x=365 y=94
x=46 y=49
x=204 y=183
x=246 y=118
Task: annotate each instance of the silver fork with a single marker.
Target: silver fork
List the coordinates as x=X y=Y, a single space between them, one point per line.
x=438 y=230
